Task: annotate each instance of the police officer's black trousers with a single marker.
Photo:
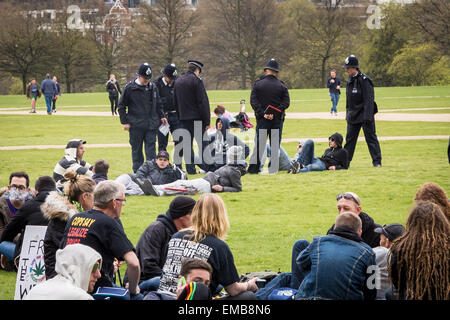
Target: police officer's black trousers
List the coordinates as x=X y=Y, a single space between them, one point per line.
x=189 y=160
x=371 y=140
x=138 y=137
x=260 y=142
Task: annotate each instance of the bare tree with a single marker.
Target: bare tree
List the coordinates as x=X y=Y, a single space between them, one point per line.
x=432 y=18
x=239 y=36
x=162 y=30
x=319 y=33
x=23 y=45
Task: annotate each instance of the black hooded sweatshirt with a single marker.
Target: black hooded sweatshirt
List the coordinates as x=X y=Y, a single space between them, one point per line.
x=151 y=248
x=338 y=156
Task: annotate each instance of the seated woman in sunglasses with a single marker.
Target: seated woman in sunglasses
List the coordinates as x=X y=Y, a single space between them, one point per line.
x=334 y=158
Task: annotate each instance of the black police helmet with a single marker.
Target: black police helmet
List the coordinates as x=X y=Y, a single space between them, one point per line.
x=145 y=71
x=170 y=71
x=272 y=64
x=351 y=62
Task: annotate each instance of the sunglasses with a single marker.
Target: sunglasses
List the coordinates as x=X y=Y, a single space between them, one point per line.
x=95 y=267
x=347 y=196
x=121 y=200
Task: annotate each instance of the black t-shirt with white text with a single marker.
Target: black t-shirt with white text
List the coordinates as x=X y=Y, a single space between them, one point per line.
x=97 y=230
x=211 y=249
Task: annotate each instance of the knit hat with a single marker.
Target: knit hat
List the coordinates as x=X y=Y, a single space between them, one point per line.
x=180 y=206
x=163 y=154
x=195 y=291
x=234 y=154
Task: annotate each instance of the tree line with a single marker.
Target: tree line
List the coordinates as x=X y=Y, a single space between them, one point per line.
x=407 y=45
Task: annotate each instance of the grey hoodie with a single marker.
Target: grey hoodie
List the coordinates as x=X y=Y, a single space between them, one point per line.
x=74 y=265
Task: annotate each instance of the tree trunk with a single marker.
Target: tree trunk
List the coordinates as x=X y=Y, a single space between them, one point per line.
x=24 y=83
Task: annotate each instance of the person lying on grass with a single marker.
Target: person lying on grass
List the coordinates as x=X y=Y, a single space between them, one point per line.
x=334 y=158
x=224 y=179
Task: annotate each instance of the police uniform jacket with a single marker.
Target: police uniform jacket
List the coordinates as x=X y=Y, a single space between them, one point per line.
x=360 y=106
x=191 y=98
x=166 y=95
x=144 y=108
x=269 y=90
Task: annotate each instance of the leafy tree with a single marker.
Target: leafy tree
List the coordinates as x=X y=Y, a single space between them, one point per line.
x=420 y=65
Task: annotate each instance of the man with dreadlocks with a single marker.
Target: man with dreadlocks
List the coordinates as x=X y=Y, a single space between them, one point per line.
x=419 y=267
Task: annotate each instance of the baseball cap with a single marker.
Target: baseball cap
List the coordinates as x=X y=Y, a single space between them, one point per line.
x=163 y=154
x=391 y=231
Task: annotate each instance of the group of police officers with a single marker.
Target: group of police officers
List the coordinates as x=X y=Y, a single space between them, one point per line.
x=181 y=102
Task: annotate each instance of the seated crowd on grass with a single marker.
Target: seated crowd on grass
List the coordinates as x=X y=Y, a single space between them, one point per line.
x=183 y=254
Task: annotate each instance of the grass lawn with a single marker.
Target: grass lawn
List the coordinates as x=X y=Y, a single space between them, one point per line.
x=272 y=211
x=302 y=100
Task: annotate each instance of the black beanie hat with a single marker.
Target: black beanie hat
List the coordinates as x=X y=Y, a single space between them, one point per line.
x=195 y=291
x=181 y=206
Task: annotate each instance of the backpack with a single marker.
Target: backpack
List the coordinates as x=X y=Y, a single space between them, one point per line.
x=242 y=121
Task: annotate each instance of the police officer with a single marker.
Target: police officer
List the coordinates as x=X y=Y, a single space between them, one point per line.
x=193 y=109
x=165 y=84
x=144 y=115
x=361 y=109
x=269 y=99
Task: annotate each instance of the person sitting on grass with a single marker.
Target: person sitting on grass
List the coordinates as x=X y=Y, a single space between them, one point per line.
x=205 y=241
x=338 y=264
x=100 y=171
x=388 y=233
x=151 y=248
x=192 y=271
x=158 y=171
x=433 y=192
x=419 y=264
x=77 y=271
x=334 y=158
x=346 y=202
x=224 y=179
x=30 y=214
x=72 y=161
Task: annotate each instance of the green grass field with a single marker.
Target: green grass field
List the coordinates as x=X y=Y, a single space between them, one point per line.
x=272 y=211
x=305 y=100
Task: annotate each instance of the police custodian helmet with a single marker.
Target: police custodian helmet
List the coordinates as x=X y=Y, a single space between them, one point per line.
x=170 y=71
x=145 y=71
x=272 y=64
x=351 y=62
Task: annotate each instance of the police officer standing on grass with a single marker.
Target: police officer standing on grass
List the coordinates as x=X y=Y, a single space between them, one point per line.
x=165 y=84
x=361 y=108
x=193 y=109
x=143 y=117
x=268 y=91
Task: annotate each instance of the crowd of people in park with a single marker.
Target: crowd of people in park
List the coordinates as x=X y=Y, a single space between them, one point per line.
x=183 y=255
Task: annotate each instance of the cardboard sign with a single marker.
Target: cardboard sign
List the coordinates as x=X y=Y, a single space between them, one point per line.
x=31 y=266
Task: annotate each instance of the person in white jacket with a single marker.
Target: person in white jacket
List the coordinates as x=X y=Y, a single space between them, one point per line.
x=78 y=268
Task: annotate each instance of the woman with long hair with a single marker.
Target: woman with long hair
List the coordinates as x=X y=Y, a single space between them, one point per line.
x=205 y=240
x=79 y=191
x=419 y=266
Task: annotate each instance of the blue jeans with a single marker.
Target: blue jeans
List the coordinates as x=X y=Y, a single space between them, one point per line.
x=335 y=101
x=306 y=157
x=291 y=279
x=7 y=249
x=151 y=284
x=48 y=102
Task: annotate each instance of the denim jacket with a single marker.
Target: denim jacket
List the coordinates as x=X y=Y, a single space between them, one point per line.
x=338 y=264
